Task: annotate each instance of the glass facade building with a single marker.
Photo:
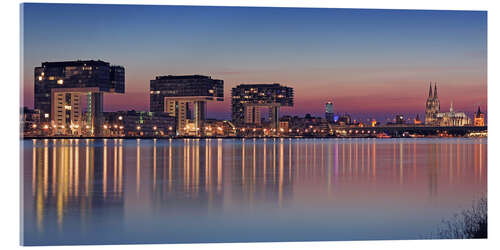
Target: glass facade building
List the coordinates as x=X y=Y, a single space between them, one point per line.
x=194 y=86
x=248 y=97
x=76 y=74
x=59 y=85
x=175 y=94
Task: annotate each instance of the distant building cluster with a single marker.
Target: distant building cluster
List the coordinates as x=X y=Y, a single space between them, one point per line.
x=69 y=102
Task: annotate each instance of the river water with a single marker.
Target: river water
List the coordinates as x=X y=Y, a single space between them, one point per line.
x=244 y=190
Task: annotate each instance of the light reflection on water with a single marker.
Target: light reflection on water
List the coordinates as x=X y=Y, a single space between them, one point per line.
x=226 y=190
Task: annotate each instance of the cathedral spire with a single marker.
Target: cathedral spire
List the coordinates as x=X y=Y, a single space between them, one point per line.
x=435 y=90
x=451 y=107
x=430 y=90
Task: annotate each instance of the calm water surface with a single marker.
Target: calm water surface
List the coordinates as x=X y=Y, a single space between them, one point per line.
x=240 y=190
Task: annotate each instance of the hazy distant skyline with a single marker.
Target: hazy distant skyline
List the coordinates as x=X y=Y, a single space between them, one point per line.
x=371 y=63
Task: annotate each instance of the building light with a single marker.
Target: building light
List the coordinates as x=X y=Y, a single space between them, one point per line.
x=105 y=126
x=87 y=126
x=40 y=78
x=34 y=125
x=67 y=107
x=170 y=128
x=138 y=127
x=46 y=115
x=120 y=117
x=154 y=127
x=115 y=126
x=121 y=127
x=211 y=91
x=77 y=126
x=46 y=127
x=60 y=81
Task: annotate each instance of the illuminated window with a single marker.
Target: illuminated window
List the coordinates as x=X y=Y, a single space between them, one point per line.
x=40 y=78
x=60 y=81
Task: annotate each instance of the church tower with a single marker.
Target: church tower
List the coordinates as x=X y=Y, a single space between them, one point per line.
x=432 y=106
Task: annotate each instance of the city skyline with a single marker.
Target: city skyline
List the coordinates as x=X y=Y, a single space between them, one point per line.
x=324 y=54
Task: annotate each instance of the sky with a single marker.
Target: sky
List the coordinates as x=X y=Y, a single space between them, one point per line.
x=370 y=63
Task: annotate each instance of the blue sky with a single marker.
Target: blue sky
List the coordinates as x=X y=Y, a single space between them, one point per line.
x=384 y=57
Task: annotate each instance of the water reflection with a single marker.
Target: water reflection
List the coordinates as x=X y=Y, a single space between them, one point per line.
x=82 y=185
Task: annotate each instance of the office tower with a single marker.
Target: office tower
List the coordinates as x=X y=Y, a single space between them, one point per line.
x=329 y=111
x=181 y=96
x=247 y=99
x=60 y=85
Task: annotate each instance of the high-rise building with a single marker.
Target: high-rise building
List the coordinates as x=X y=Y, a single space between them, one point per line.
x=329 y=116
x=60 y=85
x=247 y=99
x=479 y=118
x=177 y=95
x=432 y=106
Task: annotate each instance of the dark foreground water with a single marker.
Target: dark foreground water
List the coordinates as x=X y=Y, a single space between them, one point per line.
x=242 y=190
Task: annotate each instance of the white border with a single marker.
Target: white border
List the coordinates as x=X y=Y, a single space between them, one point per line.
x=10 y=80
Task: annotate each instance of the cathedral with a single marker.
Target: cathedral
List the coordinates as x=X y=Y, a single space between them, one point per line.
x=432 y=106
x=434 y=117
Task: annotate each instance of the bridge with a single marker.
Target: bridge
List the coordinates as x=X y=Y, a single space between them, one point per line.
x=399 y=130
